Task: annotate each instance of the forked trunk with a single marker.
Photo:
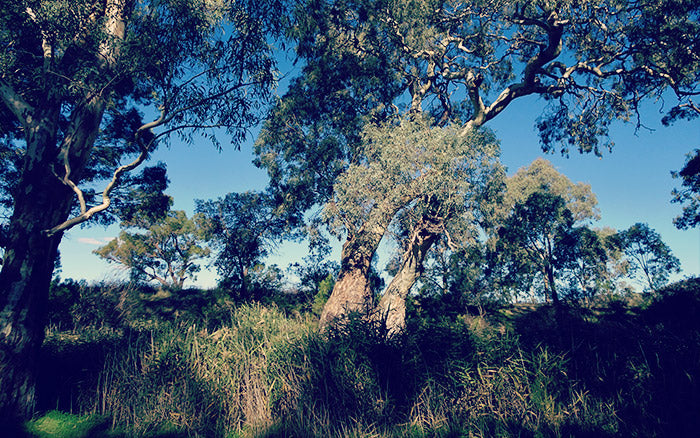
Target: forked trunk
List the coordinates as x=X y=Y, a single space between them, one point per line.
x=351 y=292
x=392 y=306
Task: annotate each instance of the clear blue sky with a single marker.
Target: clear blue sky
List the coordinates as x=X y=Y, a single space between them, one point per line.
x=632 y=183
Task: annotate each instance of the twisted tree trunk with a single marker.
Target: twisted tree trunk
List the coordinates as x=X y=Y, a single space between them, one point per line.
x=392 y=306
x=351 y=292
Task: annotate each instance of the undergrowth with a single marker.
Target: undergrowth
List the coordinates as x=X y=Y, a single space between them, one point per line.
x=256 y=371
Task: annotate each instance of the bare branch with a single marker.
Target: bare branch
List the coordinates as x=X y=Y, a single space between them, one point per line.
x=106 y=200
x=529 y=84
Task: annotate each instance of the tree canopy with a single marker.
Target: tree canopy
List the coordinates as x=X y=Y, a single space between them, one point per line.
x=464 y=63
x=166 y=250
x=434 y=178
x=689 y=195
x=542 y=176
x=242 y=228
x=651 y=260
x=593 y=62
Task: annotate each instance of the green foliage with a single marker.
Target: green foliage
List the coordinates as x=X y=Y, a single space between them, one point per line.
x=166 y=250
x=465 y=63
x=408 y=161
x=55 y=424
x=140 y=200
x=532 y=238
x=542 y=176
x=190 y=74
x=690 y=194
x=133 y=306
x=325 y=287
x=63 y=295
x=585 y=259
x=242 y=228
x=509 y=372
x=316 y=273
x=650 y=259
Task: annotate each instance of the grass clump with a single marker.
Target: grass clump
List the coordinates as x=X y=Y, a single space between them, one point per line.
x=55 y=424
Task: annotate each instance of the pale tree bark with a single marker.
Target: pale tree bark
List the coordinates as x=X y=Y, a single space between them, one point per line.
x=352 y=285
x=26 y=272
x=351 y=292
x=43 y=199
x=28 y=265
x=392 y=306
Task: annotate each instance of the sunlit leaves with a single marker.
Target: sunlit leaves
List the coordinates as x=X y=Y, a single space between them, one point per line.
x=167 y=250
x=408 y=162
x=541 y=176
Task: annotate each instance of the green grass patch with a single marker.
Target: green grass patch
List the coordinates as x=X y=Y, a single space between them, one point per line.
x=55 y=424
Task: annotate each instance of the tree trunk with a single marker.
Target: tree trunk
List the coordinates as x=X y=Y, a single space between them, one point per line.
x=552 y=286
x=24 y=285
x=392 y=306
x=351 y=292
x=41 y=201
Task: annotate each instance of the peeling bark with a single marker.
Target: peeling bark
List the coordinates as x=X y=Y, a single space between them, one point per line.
x=392 y=306
x=24 y=283
x=43 y=199
x=351 y=292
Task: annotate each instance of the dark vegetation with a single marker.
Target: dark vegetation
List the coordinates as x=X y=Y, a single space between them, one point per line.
x=121 y=360
x=382 y=133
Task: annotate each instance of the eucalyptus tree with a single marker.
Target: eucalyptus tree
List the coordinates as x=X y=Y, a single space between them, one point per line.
x=536 y=236
x=585 y=263
x=651 y=261
x=542 y=176
x=689 y=196
x=88 y=89
x=433 y=176
x=167 y=250
x=532 y=238
x=242 y=228
x=464 y=63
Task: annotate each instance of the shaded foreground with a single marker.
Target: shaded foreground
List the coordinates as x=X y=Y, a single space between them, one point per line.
x=156 y=367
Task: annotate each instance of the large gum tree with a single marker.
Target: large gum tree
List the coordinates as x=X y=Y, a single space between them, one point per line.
x=430 y=176
x=464 y=63
x=87 y=90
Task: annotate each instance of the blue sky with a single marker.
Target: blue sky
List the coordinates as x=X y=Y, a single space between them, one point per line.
x=632 y=183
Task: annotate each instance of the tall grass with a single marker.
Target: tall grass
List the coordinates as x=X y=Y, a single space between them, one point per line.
x=258 y=372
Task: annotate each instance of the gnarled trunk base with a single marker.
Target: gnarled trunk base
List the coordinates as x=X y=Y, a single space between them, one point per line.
x=351 y=293
x=392 y=306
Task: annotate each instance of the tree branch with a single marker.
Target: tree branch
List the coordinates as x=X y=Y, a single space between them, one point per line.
x=19 y=107
x=554 y=27
x=106 y=200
